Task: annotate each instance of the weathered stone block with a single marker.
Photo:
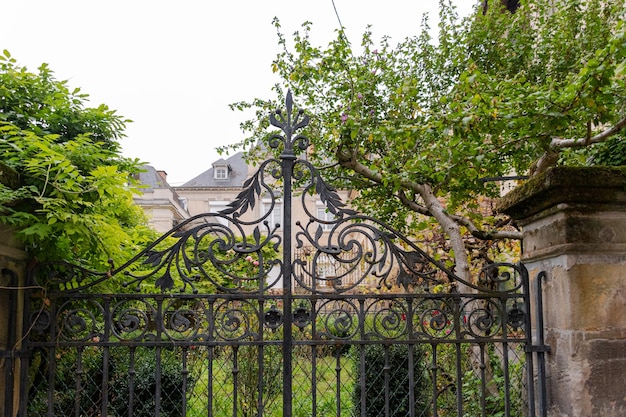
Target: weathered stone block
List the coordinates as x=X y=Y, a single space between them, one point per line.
x=574 y=225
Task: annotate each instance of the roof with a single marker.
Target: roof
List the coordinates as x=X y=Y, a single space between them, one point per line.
x=151 y=179
x=238 y=172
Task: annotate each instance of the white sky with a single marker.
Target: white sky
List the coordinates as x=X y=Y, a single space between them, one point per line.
x=174 y=66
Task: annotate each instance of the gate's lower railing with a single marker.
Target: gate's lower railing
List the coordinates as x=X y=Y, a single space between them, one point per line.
x=222 y=355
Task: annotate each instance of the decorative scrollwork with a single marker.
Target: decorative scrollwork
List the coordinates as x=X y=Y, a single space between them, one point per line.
x=236 y=320
x=66 y=277
x=253 y=189
x=226 y=252
x=182 y=319
x=387 y=320
x=500 y=277
x=516 y=313
x=208 y=251
x=238 y=253
x=363 y=249
x=40 y=320
x=337 y=320
x=131 y=319
x=81 y=320
x=482 y=318
x=436 y=318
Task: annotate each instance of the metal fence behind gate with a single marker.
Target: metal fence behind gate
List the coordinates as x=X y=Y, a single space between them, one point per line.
x=290 y=337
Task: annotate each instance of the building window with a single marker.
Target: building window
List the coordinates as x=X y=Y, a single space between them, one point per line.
x=276 y=215
x=326 y=271
x=325 y=215
x=221 y=173
x=216 y=207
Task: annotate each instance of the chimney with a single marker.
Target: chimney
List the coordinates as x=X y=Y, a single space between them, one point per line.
x=163 y=175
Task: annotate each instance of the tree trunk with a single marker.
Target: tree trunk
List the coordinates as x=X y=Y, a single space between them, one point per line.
x=453 y=231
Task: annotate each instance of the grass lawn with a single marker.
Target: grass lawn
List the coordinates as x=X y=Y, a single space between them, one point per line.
x=333 y=377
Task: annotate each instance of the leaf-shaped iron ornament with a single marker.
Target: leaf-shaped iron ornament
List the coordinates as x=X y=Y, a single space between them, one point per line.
x=254 y=188
x=289 y=124
x=330 y=198
x=357 y=250
x=207 y=251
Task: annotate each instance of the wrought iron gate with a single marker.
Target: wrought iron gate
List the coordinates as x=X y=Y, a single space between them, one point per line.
x=231 y=315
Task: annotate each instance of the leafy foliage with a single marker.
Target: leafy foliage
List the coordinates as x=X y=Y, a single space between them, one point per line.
x=392 y=360
x=74 y=201
x=91 y=377
x=416 y=128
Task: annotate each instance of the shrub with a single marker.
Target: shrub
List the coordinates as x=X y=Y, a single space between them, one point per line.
x=399 y=383
x=119 y=383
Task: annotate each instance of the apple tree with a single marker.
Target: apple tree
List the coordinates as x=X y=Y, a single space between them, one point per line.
x=419 y=126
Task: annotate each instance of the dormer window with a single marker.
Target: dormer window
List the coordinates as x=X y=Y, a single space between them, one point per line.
x=221 y=172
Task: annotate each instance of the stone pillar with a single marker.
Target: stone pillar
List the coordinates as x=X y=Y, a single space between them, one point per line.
x=574 y=226
x=12 y=279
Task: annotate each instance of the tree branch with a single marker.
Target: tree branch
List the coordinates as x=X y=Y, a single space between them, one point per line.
x=561 y=143
x=483 y=234
x=433 y=207
x=551 y=156
x=463 y=221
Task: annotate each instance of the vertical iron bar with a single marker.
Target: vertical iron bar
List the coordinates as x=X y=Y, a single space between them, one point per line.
x=386 y=369
x=528 y=341
x=411 y=380
x=51 y=374
x=459 y=379
x=105 y=356
x=210 y=382
x=210 y=356
x=483 y=382
x=314 y=377
x=456 y=317
x=530 y=377
x=541 y=359
x=235 y=372
x=505 y=356
x=313 y=358
x=362 y=378
x=260 y=359
x=409 y=334
x=25 y=366
x=362 y=381
x=157 y=353
x=52 y=336
x=288 y=160
x=433 y=369
x=78 y=380
x=261 y=407
x=131 y=380
x=25 y=360
x=338 y=378
x=185 y=374
x=105 y=381
x=10 y=360
x=507 y=379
